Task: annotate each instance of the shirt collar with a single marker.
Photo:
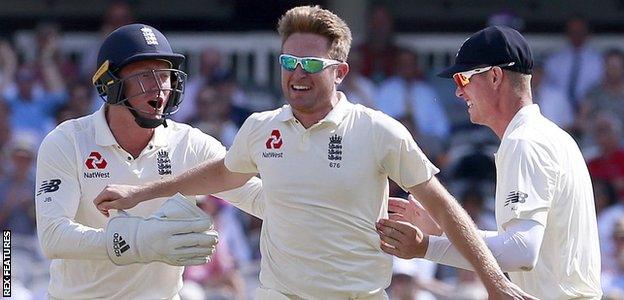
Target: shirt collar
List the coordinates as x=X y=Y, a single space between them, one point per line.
x=520 y=117
x=160 y=136
x=335 y=116
x=104 y=136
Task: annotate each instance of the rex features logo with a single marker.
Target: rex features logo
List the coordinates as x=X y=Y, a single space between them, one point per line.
x=274 y=142
x=95 y=161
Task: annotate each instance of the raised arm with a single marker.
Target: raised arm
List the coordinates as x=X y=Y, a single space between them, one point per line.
x=462 y=232
x=208 y=178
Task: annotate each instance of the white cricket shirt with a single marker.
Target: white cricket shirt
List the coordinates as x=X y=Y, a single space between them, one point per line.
x=75 y=162
x=541 y=175
x=325 y=187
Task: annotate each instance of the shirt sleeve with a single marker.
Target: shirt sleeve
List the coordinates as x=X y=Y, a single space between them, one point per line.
x=57 y=198
x=516 y=249
x=249 y=197
x=527 y=181
x=238 y=158
x=398 y=154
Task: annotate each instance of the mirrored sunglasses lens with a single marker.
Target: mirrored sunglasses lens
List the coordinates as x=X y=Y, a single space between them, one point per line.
x=312 y=65
x=288 y=62
x=461 y=80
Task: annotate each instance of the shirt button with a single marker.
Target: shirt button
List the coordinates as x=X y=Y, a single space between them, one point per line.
x=129 y=158
x=150 y=147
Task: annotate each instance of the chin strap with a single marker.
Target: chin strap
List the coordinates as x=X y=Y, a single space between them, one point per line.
x=144 y=122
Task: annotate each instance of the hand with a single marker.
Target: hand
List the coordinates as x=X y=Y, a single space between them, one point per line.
x=402 y=239
x=116 y=196
x=131 y=239
x=49 y=48
x=179 y=234
x=412 y=211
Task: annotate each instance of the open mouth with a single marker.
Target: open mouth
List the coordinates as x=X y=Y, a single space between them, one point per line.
x=156 y=104
x=298 y=87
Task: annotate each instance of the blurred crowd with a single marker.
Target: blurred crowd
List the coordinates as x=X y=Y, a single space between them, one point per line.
x=578 y=87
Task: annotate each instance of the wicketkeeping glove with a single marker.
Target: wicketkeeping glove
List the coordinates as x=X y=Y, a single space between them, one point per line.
x=179 y=234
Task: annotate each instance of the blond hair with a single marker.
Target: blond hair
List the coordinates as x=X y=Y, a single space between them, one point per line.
x=314 y=19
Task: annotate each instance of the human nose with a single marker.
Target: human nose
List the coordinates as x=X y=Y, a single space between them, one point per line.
x=299 y=70
x=459 y=92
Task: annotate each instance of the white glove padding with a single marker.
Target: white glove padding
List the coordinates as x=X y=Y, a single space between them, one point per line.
x=178 y=234
x=180 y=207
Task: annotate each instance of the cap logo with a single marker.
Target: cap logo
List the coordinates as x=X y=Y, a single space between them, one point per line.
x=150 y=37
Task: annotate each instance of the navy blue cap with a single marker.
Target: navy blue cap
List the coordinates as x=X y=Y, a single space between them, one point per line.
x=135 y=42
x=493 y=46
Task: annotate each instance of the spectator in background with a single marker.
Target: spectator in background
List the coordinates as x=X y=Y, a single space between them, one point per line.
x=613 y=269
x=47 y=36
x=408 y=276
x=117 y=14
x=241 y=105
x=35 y=102
x=8 y=66
x=212 y=116
x=473 y=201
x=604 y=196
x=211 y=69
x=17 y=188
x=5 y=136
x=80 y=102
x=220 y=277
x=553 y=102
x=608 y=163
x=379 y=50
x=357 y=87
x=608 y=95
x=577 y=67
x=408 y=98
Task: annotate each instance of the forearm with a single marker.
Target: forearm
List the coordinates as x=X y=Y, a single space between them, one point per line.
x=208 y=178
x=461 y=231
x=51 y=74
x=515 y=250
x=62 y=238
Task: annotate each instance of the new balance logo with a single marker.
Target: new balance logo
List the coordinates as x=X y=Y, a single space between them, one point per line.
x=119 y=245
x=49 y=186
x=516 y=197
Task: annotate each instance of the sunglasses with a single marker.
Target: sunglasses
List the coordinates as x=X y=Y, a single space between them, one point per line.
x=309 y=64
x=462 y=79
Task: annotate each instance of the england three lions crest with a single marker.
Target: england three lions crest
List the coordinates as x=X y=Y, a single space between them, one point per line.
x=163 y=162
x=334 y=150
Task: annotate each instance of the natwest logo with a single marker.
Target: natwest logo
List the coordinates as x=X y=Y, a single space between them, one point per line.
x=95 y=161
x=275 y=141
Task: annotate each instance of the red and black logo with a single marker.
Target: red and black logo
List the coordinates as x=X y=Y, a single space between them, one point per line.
x=95 y=161
x=275 y=141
